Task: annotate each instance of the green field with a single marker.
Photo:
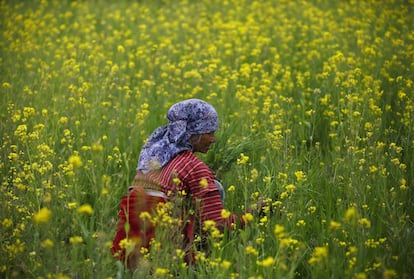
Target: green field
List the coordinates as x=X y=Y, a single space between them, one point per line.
x=316 y=104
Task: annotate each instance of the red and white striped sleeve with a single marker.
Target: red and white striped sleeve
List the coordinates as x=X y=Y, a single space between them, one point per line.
x=202 y=187
x=198 y=180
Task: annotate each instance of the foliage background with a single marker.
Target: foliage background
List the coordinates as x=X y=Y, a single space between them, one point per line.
x=315 y=101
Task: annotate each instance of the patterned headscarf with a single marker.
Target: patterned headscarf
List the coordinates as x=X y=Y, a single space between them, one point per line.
x=186 y=118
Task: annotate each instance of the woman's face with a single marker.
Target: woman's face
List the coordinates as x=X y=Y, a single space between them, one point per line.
x=201 y=143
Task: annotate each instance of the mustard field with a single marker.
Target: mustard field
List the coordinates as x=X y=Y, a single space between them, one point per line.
x=316 y=104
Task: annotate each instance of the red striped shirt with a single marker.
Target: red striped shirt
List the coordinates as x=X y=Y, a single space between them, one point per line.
x=186 y=172
x=197 y=180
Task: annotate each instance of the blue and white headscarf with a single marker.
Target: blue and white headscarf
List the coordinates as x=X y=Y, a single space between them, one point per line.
x=186 y=118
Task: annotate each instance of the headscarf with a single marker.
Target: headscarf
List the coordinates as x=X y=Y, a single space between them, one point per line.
x=186 y=118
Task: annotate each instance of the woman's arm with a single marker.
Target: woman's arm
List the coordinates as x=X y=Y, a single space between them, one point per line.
x=206 y=195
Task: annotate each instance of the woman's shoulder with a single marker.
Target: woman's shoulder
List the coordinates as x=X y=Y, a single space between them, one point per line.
x=186 y=161
x=186 y=156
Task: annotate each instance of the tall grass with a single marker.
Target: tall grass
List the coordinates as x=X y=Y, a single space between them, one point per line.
x=316 y=114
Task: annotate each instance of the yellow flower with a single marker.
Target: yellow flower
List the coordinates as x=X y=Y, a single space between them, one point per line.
x=43 y=215
x=389 y=273
x=75 y=161
x=161 y=271
x=225 y=264
x=203 y=182
x=7 y=222
x=277 y=203
x=301 y=223
x=263 y=220
x=72 y=205
x=121 y=49
x=373 y=169
x=290 y=188
x=254 y=174
x=351 y=214
x=225 y=214
x=6 y=85
x=208 y=224
x=200 y=256
x=284 y=195
x=260 y=240
x=319 y=255
x=28 y=111
x=215 y=233
x=365 y=222
x=243 y=159
x=267 y=179
x=180 y=253
x=231 y=188
x=403 y=185
x=248 y=217
x=63 y=120
x=360 y=275
x=250 y=250
x=282 y=176
x=142 y=250
x=85 y=209
x=97 y=147
x=289 y=243
x=300 y=176
x=128 y=243
x=266 y=262
x=75 y=239
x=21 y=131
x=176 y=180
x=351 y=251
x=47 y=243
x=279 y=231
x=61 y=276
x=334 y=225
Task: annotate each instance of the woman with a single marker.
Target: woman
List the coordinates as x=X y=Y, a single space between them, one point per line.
x=167 y=165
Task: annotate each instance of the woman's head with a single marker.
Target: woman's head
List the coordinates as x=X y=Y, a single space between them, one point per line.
x=191 y=126
x=191 y=117
x=200 y=117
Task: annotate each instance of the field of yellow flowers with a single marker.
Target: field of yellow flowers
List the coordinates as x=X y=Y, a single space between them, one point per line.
x=316 y=104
